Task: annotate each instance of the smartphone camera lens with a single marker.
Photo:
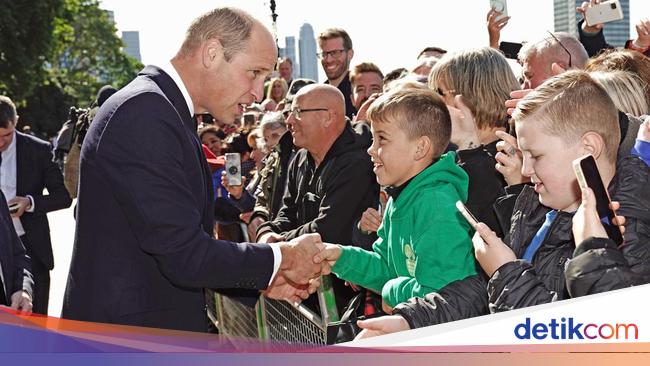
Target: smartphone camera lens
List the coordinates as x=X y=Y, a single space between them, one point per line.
x=233 y=170
x=612 y=5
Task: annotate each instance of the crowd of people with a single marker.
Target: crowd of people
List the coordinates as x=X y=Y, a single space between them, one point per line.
x=357 y=178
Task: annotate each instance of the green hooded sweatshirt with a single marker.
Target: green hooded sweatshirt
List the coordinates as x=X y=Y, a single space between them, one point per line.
x=424 y=243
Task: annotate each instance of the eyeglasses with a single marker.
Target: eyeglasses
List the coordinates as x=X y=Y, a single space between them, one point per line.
x=332 y=53
x=296 y=111
x=561 y=45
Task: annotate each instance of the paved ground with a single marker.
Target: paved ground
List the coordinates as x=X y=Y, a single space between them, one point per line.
x=62 y=230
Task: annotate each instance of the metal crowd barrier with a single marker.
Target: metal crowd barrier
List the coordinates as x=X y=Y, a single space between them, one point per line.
x=277 y=320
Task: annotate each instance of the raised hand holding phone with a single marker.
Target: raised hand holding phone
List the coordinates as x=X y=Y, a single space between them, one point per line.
x=588 y=176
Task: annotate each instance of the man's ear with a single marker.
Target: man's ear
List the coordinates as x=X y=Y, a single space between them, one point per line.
x=593 y=143
x=422 y=147
x=350 y=55
x=211 y=53
x=558 y=68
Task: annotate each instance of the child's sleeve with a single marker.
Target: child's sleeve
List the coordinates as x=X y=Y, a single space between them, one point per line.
x=365 y=268
x=642 y=149
x=444 y=254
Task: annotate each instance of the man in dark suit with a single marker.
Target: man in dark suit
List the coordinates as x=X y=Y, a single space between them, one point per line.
x=15 y=280
x=26 y=170
x=143 y=249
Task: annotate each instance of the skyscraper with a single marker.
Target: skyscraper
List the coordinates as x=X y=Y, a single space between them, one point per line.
x=566 y=20
x=131 y=40
x=290 y=52
x=307 y=46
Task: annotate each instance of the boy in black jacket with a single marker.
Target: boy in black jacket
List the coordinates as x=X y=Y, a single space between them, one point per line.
x=554 y=126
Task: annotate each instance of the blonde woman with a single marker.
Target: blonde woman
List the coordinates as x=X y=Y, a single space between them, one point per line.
x=627 y=90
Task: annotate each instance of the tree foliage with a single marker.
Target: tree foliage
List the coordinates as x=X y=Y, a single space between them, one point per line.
x=62 y=59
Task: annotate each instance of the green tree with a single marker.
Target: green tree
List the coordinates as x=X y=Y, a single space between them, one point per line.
x=83 y=54
x=26 y=33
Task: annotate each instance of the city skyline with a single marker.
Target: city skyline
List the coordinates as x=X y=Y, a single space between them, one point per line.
x=387 y=35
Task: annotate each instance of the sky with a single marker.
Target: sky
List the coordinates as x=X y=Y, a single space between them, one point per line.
x=388 y=33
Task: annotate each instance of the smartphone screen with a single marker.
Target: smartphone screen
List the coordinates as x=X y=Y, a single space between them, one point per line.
x=587 y=173
x=233 y=169
x=466 y=214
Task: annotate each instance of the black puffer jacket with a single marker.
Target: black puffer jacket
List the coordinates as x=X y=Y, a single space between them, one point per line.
x=515 y=284
x=598 y=265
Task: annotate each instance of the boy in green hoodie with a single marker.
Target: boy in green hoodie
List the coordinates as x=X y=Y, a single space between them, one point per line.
x=424 y=243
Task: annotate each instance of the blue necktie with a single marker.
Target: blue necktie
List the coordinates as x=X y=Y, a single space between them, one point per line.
x=539 y=237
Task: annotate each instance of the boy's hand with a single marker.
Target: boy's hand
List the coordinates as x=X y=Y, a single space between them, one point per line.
x=382 y=325
x=328 y=257
x=644 y=131
x=491 y=252
x=386 y=308
x=370 y=220
x=586 y=223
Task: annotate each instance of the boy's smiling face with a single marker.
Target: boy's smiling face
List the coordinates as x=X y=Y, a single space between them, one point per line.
x=393 y=154
x=547 y=161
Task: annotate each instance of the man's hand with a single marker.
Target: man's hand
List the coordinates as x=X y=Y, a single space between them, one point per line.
x=515 y=97
x=24 y=205
x=382 y=325
x=253 y=225
x=491 y=252
x=586 y=223
x=509 y=159
x=464 y=132
x=281 y=289
x=329 y=254
x=235 y=191
x=270 y=237
x=582 y=9
x=370 y=220
x=495 y=26
x=643 y=34
x=21 y=301
x=300 y=262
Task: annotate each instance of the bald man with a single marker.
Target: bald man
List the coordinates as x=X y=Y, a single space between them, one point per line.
x=330 y=182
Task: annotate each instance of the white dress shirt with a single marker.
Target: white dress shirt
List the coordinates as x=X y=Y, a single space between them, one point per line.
x=168 y=68
x=8 y=176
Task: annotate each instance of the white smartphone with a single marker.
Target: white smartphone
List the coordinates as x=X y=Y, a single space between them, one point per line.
x=233 y=169
x=466 y=214
x=605 y=12
x=501 y=6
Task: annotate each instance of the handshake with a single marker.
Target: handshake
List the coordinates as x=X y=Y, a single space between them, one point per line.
x=304 y=260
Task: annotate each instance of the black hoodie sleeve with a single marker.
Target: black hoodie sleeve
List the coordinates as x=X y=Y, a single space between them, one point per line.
x=458 y=300
x=347 y=191
x=598 y=264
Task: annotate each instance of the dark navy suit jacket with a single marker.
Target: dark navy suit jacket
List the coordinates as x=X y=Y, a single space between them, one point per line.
x=13 y=260
x=36 y=171
x=143 y=248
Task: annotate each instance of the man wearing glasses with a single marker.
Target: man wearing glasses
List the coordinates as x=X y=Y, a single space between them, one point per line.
x=335 y=56
x=556 y=53
x=330 y=181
